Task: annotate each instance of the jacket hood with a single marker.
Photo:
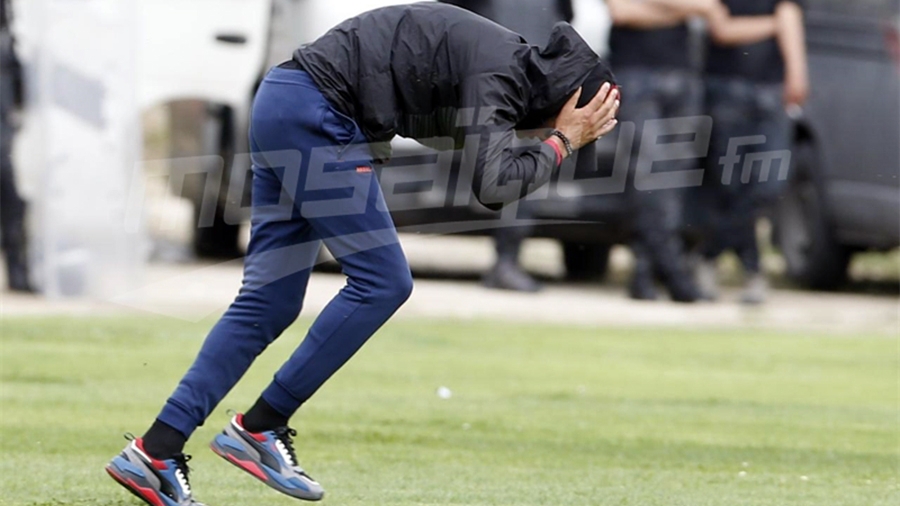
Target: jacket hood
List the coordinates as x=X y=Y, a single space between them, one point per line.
x=557 y=70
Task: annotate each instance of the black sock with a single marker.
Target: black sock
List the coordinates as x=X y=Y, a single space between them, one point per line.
x=163 y=441
x=262 y=417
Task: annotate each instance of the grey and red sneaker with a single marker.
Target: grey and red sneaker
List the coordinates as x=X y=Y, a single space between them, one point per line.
x=156 y=482
x=269 y=457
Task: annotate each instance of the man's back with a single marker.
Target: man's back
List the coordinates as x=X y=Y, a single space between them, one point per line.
x=398 y=61
x=407 y=69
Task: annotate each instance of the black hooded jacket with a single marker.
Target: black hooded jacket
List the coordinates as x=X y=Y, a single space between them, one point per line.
x=452 y=79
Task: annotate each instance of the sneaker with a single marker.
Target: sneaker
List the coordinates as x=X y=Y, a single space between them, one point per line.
x=707 y=275
x=156 y=482
x=269 y=457
x=509 y=276
x=756 y=287
x=682 y=289
x=642 y=287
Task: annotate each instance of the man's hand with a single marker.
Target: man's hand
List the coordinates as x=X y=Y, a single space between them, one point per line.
x=791 y=37
x=796 y=89
x=596 y=119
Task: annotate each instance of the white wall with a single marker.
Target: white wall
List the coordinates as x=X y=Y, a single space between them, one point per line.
x=85 y=141
x=593 y=23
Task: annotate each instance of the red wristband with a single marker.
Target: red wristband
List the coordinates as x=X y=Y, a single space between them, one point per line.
x=559 y=156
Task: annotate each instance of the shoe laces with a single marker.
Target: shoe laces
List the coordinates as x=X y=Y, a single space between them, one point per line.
x=285 y=443
x=182 y=472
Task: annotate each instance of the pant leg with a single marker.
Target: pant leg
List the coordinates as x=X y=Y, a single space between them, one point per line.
x=378 y=283
x=733 y=106
x=279 y=260
x=772 y=121
x=681 y=95
x=657 y=214
x=342 y=201
x=12 y=207
x=762 y=190
x=640 y=103
x=715 y=200
x=282 y=251
x=508 y=238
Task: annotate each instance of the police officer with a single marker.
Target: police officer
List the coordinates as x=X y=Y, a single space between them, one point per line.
x=12 y=207
x=756 y=69
x=649 y=47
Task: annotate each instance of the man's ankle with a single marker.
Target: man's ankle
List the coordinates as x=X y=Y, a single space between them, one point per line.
x=263 y=417
x=163 y=441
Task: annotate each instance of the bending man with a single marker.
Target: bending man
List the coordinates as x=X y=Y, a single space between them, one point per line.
x=432 y=72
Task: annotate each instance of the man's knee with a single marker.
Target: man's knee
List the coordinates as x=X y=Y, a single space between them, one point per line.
x=270 y=313
x=402 y=287
x=394 y=286
x=281 y=316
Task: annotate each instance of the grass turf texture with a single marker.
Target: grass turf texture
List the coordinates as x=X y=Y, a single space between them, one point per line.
x=539 y=415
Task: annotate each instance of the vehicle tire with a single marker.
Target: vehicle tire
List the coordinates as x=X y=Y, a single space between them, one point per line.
x=218 y=241
x=802 y=229
x=585 y=262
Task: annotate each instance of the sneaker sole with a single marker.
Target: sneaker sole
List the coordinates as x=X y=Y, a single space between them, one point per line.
x=136 y=483
x=232 y=451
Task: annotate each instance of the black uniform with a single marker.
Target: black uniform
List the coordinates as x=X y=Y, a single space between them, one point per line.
x=12 y=207
x=658 y=83
x=761 y=62
x=744 y=97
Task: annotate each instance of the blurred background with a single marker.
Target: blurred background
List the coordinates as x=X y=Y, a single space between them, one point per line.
x=123 y=155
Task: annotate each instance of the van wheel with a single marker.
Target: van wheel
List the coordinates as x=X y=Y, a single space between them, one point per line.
x=814 y=258
x=585 y=262
x=218 y=241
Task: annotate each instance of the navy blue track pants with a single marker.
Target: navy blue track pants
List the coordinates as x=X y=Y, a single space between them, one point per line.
x=313 y=183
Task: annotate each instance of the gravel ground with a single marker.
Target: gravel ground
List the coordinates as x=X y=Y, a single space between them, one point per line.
x=194 y=291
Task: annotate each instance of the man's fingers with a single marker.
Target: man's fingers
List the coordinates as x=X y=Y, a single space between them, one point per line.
x=603 y=92
x=607 y=110
x=613 y=112
x=607 y=105
x=608 y=127
x=604 y=123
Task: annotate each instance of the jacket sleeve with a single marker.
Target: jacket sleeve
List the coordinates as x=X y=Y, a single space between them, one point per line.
x=504 y=169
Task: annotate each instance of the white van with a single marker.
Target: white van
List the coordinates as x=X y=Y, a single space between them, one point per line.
x=204 y=58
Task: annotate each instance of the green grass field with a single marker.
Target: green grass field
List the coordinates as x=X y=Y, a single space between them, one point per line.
x=542 y=415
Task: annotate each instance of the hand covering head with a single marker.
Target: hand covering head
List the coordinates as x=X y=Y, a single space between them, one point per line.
x=557 y=70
